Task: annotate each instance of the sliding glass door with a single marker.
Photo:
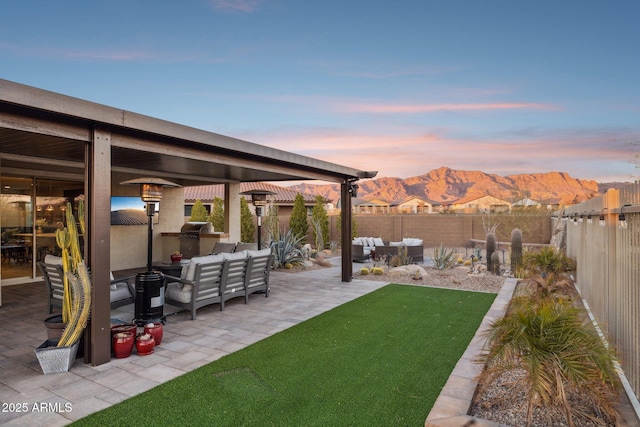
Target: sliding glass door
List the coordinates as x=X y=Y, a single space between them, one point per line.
x=31 y=210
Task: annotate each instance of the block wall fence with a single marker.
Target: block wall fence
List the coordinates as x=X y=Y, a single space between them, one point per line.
x=450 y=230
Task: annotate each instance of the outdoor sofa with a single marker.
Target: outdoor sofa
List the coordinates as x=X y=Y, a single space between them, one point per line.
x=217 y=278
x=363 y=248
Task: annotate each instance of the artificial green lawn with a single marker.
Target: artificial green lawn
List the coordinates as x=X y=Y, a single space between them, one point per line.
x=381 y=359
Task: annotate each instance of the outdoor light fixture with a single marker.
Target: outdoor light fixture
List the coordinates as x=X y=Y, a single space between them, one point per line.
x=575 y=219
x=259 y=200
x=589 y=219
x=582 y=215
x=622 y=220
x=602 y=221
x=149 y=298
x=353 y=190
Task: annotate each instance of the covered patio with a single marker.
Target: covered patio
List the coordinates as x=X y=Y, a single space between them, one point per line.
x=89 y=149
x=186 y=345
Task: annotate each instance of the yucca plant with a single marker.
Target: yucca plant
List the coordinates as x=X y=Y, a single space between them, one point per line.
x=76 y=303
x=560 y=353
x=287 y=248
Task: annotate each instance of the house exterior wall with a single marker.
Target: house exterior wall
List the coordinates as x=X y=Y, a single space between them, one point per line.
x=129 y=242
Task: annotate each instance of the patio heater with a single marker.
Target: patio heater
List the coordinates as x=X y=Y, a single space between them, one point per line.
x=149 y=296
x=259 y=200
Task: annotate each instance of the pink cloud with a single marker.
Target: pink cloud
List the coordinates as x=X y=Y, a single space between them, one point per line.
x=430 y=108
x=412 y=154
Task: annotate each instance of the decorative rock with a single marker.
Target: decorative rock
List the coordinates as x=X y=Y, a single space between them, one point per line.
x=407 y=269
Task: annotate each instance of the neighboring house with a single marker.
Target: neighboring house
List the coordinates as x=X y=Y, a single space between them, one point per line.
x=480 y=204
x=411 y=205
x=283 y=198
x=526 y=203
x=371 y=206
x=553 y=204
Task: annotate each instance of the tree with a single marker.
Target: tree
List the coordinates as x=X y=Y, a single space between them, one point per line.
x=247 y=227
x=354 y=226
x=217 y=214
x=272 y=223
x=298 y=221
x=198 y=212
x=321 y=223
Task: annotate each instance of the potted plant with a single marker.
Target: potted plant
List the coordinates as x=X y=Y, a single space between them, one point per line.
x=145 y=344
x=122 y=344
x=176 y=256
x=58 y=356
x=154 y=329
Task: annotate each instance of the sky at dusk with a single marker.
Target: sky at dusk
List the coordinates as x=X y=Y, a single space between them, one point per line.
x=401 y=87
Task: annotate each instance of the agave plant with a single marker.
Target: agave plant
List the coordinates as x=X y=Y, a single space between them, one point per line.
x=442 y=258
x=559 y=352
x=287 y=249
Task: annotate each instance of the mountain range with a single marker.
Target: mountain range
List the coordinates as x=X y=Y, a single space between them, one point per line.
x=445 y=185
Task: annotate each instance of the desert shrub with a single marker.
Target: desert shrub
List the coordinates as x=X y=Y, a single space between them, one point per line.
x=198 y=212
x=298 y=219
x=443 y=258
x=546 y=261
x=401 y=258
x=560 y=354
x=247 y=225
x=320 y=222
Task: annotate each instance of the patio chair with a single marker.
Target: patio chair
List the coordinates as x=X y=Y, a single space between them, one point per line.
x=53 y=279
x=241 y=246
x=121 y=292
x=221 y=247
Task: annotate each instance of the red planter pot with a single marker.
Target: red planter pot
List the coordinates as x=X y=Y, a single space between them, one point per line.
x=144 y=346
x=155 y=330
x=122 y=343
x=125 y=327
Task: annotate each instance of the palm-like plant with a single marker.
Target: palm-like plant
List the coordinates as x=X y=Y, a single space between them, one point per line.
x=547 y=261
x=559 y=352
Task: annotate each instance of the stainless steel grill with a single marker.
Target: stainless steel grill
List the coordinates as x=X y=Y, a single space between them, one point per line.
x=190 y=238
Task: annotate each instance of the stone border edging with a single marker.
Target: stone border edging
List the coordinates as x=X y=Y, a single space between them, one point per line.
x=452 y=405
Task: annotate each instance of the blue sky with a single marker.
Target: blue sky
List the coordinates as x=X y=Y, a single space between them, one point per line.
x=400 y=87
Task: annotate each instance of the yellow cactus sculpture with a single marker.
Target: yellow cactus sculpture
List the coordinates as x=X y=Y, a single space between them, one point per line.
x=76 y=304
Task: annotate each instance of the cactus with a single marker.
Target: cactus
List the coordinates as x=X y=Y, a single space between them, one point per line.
x=491 y=248
x=495 y=263
x=77 y=287
x=516 y=250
